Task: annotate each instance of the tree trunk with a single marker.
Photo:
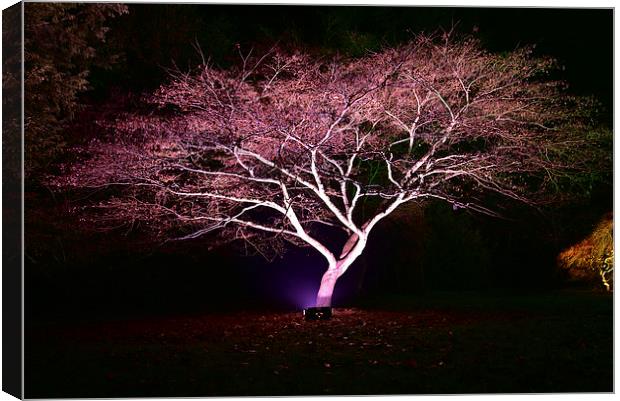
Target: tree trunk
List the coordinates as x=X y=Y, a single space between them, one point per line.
x=328 y=282
x=351 y=250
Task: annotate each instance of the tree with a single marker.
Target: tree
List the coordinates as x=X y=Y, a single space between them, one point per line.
x=290 y=147
x=593 y=257
x=62 y=42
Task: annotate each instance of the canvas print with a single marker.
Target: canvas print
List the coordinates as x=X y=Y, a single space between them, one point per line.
x=284 y=200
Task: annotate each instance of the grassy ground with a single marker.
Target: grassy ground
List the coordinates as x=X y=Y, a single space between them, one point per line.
x=440 y=343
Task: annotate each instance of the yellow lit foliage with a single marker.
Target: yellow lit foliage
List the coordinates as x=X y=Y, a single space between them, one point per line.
x=594 y=256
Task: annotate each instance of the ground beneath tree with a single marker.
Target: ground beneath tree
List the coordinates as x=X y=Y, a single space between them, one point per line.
x=448 y=343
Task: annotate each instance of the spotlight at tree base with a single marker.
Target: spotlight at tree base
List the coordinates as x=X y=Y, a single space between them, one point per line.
x=318 y=313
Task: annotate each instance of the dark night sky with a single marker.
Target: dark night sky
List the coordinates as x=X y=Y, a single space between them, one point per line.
x=151 y=36
x=581 y=39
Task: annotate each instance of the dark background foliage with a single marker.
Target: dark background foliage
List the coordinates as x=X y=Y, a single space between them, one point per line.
x=62 y=43
x=427 y=248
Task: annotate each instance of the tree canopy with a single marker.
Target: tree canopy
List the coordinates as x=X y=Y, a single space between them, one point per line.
x=284 y=146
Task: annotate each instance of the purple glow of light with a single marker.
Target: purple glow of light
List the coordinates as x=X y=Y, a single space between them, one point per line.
x=303 y=296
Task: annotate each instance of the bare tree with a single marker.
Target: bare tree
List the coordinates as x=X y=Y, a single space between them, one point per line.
x=285 y=147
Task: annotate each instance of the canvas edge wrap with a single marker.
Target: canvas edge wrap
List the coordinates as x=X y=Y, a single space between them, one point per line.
x=12 y=198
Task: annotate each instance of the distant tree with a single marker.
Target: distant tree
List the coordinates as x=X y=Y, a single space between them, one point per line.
x=61 y=42
x=287 y=147
x=592 y=259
